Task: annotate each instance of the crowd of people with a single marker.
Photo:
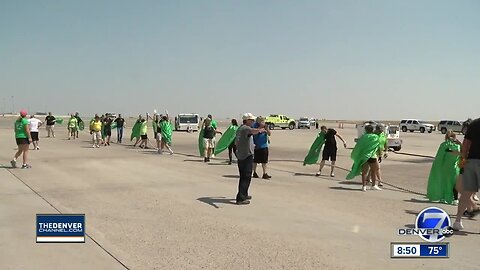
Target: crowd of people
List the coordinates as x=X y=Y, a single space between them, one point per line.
x=454 y=177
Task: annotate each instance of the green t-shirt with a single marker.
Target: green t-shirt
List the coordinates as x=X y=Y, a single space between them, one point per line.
x=20 y=125
x=143 y=128
x=382 y=139
x=214 y=124
x=72 y=123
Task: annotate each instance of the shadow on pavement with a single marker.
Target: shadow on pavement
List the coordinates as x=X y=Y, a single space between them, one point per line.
x=345 y=189
x=230 y=176
x=214 y=201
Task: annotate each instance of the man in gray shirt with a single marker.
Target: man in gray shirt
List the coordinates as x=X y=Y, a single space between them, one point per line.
x=245 y=148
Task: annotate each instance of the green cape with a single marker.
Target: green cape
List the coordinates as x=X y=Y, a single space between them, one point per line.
x=135 y=131
x=59 y=121
x=314 y=153
x=200 y=143
x=166 y=128
x=81 y=126
x=366 y=147
x=227 y=138
x=444 y=173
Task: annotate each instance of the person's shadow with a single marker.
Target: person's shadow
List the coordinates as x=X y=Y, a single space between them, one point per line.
x=214 y=201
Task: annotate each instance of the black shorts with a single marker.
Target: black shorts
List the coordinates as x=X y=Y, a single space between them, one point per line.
x=372 y=160
x=260 y=156
x=329 y=154
x=34 y=135
x=21 y=141
x=144 y=137
x=108 y=132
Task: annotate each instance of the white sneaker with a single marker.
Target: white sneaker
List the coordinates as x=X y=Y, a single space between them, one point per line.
x=93 y=146
x=475 y=197
x=212 y=156
x=375 y=188
x=457 y=226
x=455 y=202
x=332 y=175
x=364 y=188
x=38 y=148
x=318 y=173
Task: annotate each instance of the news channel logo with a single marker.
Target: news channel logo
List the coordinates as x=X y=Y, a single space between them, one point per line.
x=432 y=224
x=60 y=228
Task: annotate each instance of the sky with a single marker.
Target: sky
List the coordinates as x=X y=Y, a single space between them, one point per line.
x=335 y=59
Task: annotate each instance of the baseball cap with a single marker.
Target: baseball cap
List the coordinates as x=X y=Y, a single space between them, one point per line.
x=23 y=113
x=248 y=116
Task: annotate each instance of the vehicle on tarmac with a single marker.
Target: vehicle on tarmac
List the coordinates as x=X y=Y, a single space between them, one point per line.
x=189 y=122
x=304 y=122
x=391 y=131
x=455 y=126
x=280 y=121
x=416 y=125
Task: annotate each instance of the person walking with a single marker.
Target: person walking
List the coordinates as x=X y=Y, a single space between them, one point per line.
x=470 y=153
x=96 y=131
x=261 y=142
x=209 y=133
x=23 y=139
x=50 y=121
x=245 y=150
x=80 y=124
x=120 y=121
x=72 y=127
x=330 y=149
x=34 y=125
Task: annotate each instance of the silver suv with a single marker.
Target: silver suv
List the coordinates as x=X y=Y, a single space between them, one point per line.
x=303 y=123
x=453 y=125
x=416 y=125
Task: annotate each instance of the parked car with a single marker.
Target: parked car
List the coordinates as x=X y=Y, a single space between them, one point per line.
x=416 y=125
x=453 y=125
x=281 y=121
x=304 y=122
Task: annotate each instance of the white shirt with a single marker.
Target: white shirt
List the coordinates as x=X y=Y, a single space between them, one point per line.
x=34 y=123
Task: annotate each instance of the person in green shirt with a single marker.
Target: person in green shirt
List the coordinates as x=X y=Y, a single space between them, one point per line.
x=382 y=150
x=165 y=132
x=23 y=138
x=72 y=127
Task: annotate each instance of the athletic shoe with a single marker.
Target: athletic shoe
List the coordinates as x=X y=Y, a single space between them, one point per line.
x=255 y=175
x=455 y=202
x=266 y=177
x=205 y=159
x=13 y=163
x=332 y=175
x=475 y=197
x=380 y=184
x=98 y=146
x=318 y=173
x=38 y=148
x=375 y=188
x=244 y=202
x=26 y=166
x=93 y=146
x=249 y=197
x=364 y=188
x=213 y=155
x=457 y=226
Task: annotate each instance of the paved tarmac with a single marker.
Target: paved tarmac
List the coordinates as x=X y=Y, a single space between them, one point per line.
x=147 y=211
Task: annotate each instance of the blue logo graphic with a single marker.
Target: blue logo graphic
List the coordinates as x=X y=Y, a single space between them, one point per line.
x=60 y=228
x=434 y=223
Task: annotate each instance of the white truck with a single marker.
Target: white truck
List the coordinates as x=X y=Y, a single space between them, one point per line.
x=391 y=131
x=187 y=122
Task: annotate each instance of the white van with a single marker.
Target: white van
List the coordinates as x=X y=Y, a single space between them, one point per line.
x=391 y=131
x=187 y=122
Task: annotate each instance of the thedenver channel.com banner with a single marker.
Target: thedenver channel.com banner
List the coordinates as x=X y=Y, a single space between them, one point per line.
x=60 y=228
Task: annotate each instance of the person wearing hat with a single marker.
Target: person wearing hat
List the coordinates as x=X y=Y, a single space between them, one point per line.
x=261 y=142
x=23 y=138
x=245 y=151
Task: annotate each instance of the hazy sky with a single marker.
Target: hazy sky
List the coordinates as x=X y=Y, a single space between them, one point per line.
x=329 y=59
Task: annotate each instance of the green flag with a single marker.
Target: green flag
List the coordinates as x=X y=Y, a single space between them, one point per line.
x=200 y=143
x=59 y=121
x=444 y=172
x=314 y=153
x=135 y=131
x=166 y=128
x=366 y=148
x=227 y=138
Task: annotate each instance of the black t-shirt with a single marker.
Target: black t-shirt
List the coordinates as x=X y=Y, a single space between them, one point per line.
x=79 y=120
x=50 y=120
x=209 y=132
x=330 y=142
x=107 y=123
x=473 y=134
x=120 y=122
